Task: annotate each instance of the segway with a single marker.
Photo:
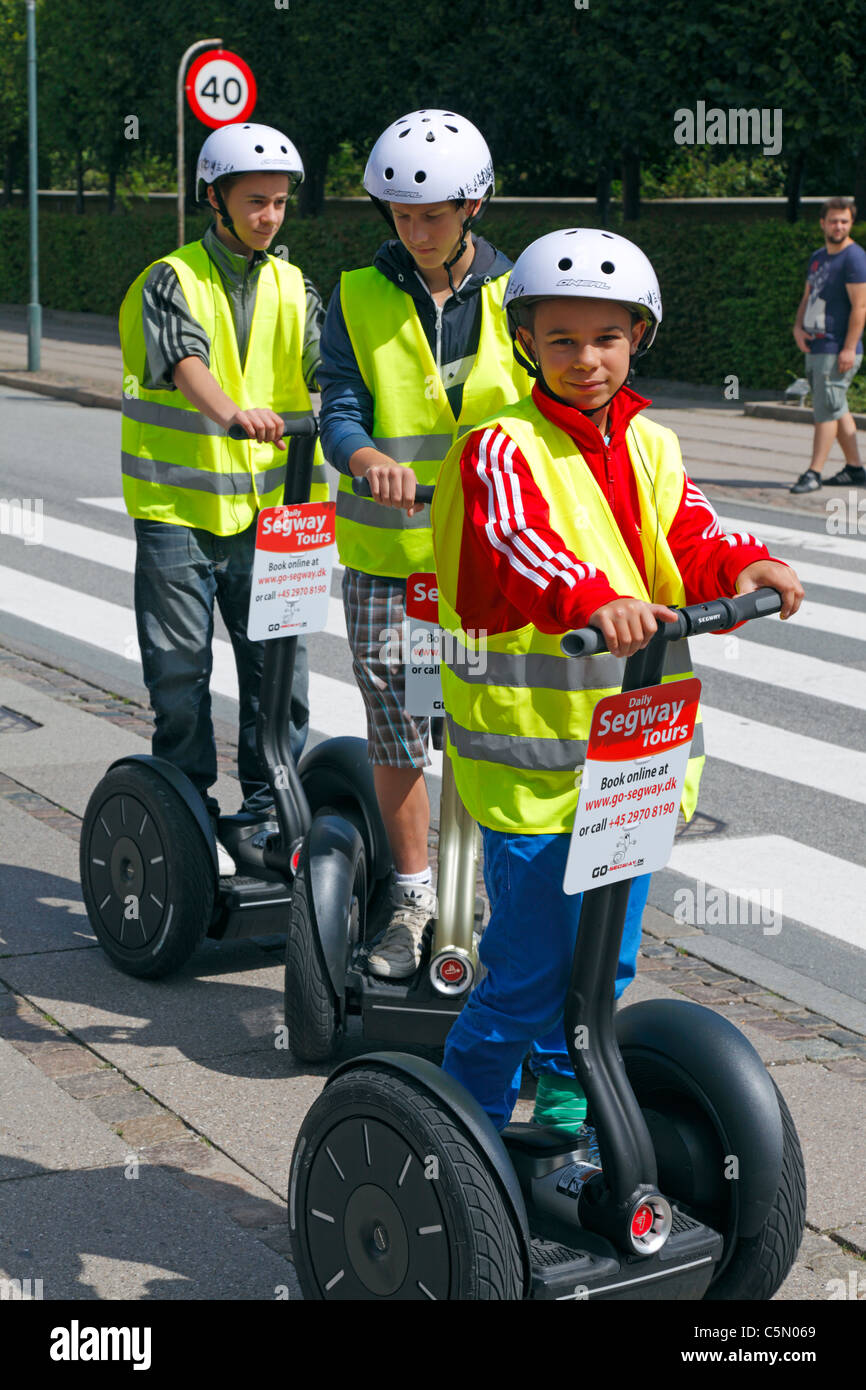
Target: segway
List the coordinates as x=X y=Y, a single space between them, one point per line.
x=148 y=857
x=691 y=1187
x=327 y=980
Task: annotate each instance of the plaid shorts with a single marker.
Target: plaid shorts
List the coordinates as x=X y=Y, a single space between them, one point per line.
x=375 y=609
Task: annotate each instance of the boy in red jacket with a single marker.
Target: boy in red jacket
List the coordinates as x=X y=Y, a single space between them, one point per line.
x=568 y=510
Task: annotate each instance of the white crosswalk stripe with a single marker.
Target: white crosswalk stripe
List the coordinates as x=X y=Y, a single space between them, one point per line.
x=778 y=539
x=738 y=866
x=770 y=877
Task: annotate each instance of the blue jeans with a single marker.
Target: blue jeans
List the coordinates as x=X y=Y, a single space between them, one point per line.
x=179 y=572
x=527 y=949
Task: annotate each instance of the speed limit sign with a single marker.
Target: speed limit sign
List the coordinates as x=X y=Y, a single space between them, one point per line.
x=220 y=87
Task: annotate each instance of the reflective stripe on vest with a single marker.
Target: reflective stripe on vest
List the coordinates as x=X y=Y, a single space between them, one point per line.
x=180 y=475
x=413 y=423
x=518 y=710
x=538 y=671
x=150 y=412
x=179 y=466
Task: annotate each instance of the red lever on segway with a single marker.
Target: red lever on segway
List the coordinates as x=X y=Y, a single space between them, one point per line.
x=423 y=492
x=715 y=616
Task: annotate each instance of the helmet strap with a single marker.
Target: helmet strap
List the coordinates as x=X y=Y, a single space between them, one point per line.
x=464 y=231
x=596 y=408
x=381 y=206
x=224 y=212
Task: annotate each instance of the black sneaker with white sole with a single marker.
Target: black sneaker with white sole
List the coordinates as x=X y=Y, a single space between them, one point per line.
x=849 y=477
x=809 y=481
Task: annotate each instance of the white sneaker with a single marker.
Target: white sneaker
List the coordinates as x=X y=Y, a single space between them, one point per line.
x=227 y=866
x=398 y=953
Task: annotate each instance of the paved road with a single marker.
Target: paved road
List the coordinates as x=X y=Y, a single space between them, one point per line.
x=780 y=825
x=767 y=885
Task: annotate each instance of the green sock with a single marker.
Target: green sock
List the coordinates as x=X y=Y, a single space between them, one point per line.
x=559 y=1102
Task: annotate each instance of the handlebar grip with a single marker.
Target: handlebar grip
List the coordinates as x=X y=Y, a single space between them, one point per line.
x=292 y=429
x=717 y=615
x=588 y=641
x=585 y=641
x=757 y=605
x=423 y=491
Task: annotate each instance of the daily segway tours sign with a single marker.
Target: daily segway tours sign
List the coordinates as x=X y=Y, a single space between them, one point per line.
x=632 y=782
x=423 y=646
x=292 y=570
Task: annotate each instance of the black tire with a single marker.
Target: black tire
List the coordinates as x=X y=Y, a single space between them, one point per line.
x=147 y=875
x=391 y=1200
x=313 y=1014
x=759 y=1266
x=691 y=1155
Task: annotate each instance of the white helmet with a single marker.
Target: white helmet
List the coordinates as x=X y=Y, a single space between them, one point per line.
x=585 y=263
x=246 y=149
x=429 y=157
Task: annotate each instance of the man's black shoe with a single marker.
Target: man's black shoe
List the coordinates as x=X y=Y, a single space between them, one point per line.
x=849 y=477
x=809 y=481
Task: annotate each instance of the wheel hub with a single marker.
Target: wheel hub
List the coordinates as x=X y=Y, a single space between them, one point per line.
x=376 y=1240
x=374 y=1222
x=127 y=868
x=126 y=864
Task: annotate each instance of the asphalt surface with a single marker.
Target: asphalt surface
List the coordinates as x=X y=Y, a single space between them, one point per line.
x=166 y=1072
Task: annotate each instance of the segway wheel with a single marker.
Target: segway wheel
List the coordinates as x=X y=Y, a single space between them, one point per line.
x=146 y=873
x=759 y=1266
x=391 y=1200
x=691 y=1158
x=311 y=1011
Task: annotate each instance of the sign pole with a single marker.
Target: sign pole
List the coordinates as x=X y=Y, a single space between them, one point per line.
x=34 y=308
x=181 y=72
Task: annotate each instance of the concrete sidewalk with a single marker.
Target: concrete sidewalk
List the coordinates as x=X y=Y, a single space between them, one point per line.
x=147 y=1127
x=725 y=450
x=80 y=356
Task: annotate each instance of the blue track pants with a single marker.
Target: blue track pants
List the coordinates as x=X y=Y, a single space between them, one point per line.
x=527 y=949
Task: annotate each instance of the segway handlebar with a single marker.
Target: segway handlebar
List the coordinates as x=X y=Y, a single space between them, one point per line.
x=293 y=429
x=423 y=492
x=715 y=616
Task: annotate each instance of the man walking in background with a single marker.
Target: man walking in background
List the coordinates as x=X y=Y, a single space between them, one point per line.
x=828 y=328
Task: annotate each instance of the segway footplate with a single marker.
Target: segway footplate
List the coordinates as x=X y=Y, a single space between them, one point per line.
x=682 y=1269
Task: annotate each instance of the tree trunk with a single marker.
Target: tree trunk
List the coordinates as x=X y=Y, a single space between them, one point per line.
x=311 y=194
x=796 y=170
x=860 y=184
x=602 y=194
x=630 y=185
x=79 y=181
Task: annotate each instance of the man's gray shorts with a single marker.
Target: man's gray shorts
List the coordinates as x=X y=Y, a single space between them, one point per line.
x=829 y=386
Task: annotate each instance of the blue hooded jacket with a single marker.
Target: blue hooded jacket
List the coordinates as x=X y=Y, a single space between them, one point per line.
x=453 y=332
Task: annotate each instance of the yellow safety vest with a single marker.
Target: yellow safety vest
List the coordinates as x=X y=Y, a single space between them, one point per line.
x=518 y=711
x=178 y=465
x=413 y=422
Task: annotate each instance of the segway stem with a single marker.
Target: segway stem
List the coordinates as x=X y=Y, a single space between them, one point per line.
x=458 y=867
x=627 y=1153
x=275 y=698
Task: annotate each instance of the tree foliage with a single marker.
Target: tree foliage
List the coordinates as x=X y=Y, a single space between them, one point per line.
x=569 y=97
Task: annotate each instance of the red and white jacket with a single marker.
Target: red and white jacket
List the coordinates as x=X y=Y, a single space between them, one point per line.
x=537 y=578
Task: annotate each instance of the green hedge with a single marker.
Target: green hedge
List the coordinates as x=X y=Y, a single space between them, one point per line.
x=730 y=289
